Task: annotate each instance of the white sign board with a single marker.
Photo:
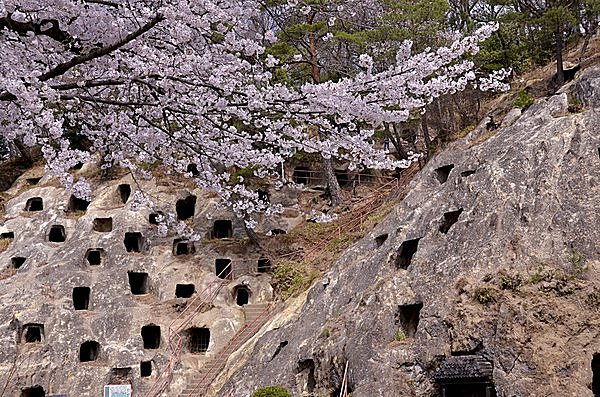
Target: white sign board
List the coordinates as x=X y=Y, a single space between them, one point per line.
x=117 y=391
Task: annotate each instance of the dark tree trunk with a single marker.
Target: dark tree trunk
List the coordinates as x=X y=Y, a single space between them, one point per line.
x=252 y=235
x=425 y=130
x=560 y=72
x=332 y=183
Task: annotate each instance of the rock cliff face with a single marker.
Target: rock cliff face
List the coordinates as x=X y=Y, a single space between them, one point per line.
x=485 y=279
x=88 y=290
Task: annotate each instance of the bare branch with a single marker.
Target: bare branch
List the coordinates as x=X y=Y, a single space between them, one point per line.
x=97 y=53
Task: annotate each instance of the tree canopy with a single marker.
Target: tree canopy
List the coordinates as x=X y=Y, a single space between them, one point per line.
x=183 y=82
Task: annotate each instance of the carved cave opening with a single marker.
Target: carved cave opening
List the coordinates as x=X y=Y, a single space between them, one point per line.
x=222 y=228
x=223 y=268
x=151 y=336
x=198 y=339
x=138 y=282
x=34 y=204
x=33 y=391
x=184 y=290
x=379 y=240
x=103 y=225
x=442 y=173
x=124 y=191
x=94 y=256
x=32 y=333
x=17 y=261
x=89 y=351
x=449 y=219
x=57 y=234
x=263 y=266
x=81 y=298
x=120 y=376
x=133 y=241
x=406 y=252
x=242 y=295
x=77 y=205
x=186 y=207
x=407 y=318
x=145 y=369
x=301 y=175
x=183 y=247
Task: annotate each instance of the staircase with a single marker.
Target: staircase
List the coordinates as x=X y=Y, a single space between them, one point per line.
x=256 y=316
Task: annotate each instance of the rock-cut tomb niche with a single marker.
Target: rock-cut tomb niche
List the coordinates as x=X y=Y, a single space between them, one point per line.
x=94 y=256
x=184 y=290
x=406 y=252
x=442 y=173
x=222 y=228
x=81 y=298
x=242 y=295
x=138 y=282
x=133 y=241
x=57 y=234
x=198 y=339
x=89 y=351
x=33 y=391
x=145 y=369
x=301 y=175
x=223 y=268
x=32 y=333
x=77 y=205
x=34 y=204
x=151 y=336
x=186 y=207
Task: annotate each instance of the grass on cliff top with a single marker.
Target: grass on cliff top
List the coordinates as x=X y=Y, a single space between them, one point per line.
x=314 y=247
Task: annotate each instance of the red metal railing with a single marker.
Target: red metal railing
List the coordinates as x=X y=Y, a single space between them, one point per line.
x=184 y=318
x=359 y=213
x=241 y=337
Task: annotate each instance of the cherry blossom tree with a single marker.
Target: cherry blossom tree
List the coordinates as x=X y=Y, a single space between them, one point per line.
x=181 y=82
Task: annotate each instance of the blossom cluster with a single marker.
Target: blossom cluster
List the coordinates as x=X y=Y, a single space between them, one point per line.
x=187 y=83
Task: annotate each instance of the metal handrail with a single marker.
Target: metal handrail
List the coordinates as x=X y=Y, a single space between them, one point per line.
x=175 y=340
x=367 y=206
x=233 y=344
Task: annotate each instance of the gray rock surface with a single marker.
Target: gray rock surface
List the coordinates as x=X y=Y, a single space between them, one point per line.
x=515 y=280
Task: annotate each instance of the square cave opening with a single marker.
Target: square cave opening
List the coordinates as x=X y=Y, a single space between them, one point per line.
x=184 y=290
x=183 y=247
x=81 y=298
x=32 y=333
x=34 y=204
x=198 y=339
x=133 y=241
x=89 y=351
x=301 y=175
x=145 y=369
x=77 y=205
x=138 y=282
x=407 y=318
x=57 y=234
x=151 y=336
x=263 y=265
x=223 y=268
x=94 y=256
x=222 y=228
x=33 y=391
x=186 y=207
x=103 y=225
x=124 y=191
x=16 y=262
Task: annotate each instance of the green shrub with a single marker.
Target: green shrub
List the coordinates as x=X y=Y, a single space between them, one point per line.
x=524 y=100
x=272 y=391
x=400 y=335
x=578 y=267
x=484 y=295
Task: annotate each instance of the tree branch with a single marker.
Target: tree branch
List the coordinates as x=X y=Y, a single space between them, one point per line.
x=97 y=53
